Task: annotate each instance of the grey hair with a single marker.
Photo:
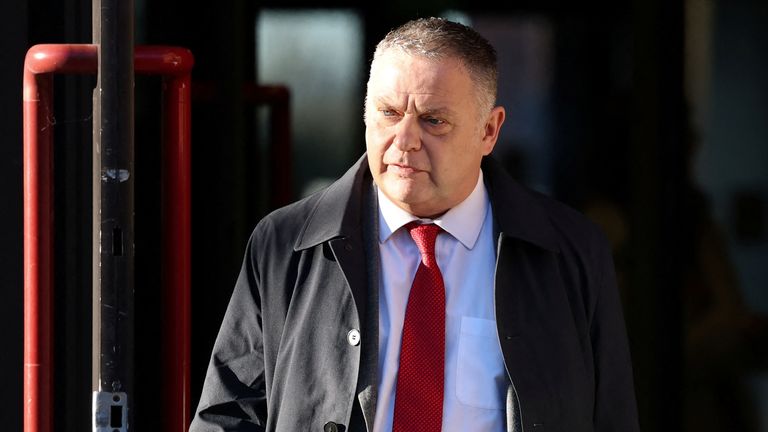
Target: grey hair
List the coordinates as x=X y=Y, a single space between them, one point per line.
x=438 y=38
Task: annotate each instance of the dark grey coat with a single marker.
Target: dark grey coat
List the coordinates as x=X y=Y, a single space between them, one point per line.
x=283 y=360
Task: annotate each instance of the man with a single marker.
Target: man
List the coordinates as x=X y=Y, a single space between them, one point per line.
x=424 y=290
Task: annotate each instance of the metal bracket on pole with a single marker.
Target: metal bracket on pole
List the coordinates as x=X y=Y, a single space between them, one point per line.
x=110 y=412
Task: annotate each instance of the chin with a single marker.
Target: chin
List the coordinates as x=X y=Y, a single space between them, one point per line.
x=402 y=190
x=413 y=204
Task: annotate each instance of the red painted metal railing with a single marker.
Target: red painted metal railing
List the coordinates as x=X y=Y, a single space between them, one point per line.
x=174 y=65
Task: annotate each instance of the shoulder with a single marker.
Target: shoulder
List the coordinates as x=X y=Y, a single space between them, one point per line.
x=585 y=257
x=280 y=229
x=554 y=233
x=574 y=229
x=536 y=218
x=328 y=213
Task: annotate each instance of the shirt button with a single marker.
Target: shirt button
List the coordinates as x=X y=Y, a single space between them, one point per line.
x=353 y=337
x=330 y=427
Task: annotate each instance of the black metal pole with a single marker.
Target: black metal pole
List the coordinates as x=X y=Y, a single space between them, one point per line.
x=113 y=220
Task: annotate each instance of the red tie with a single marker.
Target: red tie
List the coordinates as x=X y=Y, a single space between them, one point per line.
x=419 y=394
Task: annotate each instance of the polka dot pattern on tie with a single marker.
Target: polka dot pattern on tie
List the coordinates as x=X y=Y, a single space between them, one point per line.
x=419 y=392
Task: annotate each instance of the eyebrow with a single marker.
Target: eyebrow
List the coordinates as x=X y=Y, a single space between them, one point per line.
x=438 y=110
x=385 y=101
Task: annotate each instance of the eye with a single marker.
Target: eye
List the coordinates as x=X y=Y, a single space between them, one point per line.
x=434 y=121
x=387 y=112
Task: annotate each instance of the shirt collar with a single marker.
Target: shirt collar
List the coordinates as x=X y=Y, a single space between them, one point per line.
x=463 y=222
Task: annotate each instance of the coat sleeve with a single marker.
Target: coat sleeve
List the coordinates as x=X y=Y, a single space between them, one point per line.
x=615 y=404
x=234 y=394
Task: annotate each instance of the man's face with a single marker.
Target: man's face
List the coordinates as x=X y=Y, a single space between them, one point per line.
x=425 y=134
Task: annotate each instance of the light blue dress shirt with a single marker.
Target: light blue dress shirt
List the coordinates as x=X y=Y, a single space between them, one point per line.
x=475 y=376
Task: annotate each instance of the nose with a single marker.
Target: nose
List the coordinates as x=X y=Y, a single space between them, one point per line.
x=408 y=134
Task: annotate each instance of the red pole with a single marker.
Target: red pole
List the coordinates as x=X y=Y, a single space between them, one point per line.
x=41 y=62
x=38 y=247
x=176 y=246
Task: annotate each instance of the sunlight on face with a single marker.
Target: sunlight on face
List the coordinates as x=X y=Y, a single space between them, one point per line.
x=423 y=136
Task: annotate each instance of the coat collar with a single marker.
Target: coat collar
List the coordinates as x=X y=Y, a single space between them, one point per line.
x=338 y=212
x=517 y=210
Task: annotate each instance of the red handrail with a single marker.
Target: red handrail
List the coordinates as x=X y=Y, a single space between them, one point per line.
x=174 y=65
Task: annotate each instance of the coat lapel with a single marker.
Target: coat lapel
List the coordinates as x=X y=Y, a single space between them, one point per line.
x=338 y=220
x=346 y=218
x=525 y=272
x=528 y=296
x=367 y=387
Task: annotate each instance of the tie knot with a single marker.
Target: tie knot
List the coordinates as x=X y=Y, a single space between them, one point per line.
x=425 y=236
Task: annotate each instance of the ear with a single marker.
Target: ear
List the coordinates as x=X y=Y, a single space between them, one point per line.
x=491 y=129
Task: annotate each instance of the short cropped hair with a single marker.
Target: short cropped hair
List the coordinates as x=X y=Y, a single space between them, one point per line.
x=438 y=38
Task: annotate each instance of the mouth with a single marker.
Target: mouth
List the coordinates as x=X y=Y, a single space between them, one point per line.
x=403 y=170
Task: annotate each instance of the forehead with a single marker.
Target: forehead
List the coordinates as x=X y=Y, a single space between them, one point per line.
x=401 y=76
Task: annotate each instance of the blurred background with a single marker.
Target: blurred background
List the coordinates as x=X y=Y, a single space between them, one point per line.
x=650 y=116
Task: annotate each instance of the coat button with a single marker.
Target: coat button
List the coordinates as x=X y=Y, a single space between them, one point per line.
x=353 y=337
x=331 y=427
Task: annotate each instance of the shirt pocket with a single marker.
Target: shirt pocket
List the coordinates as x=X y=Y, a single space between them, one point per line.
x=480 y=374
